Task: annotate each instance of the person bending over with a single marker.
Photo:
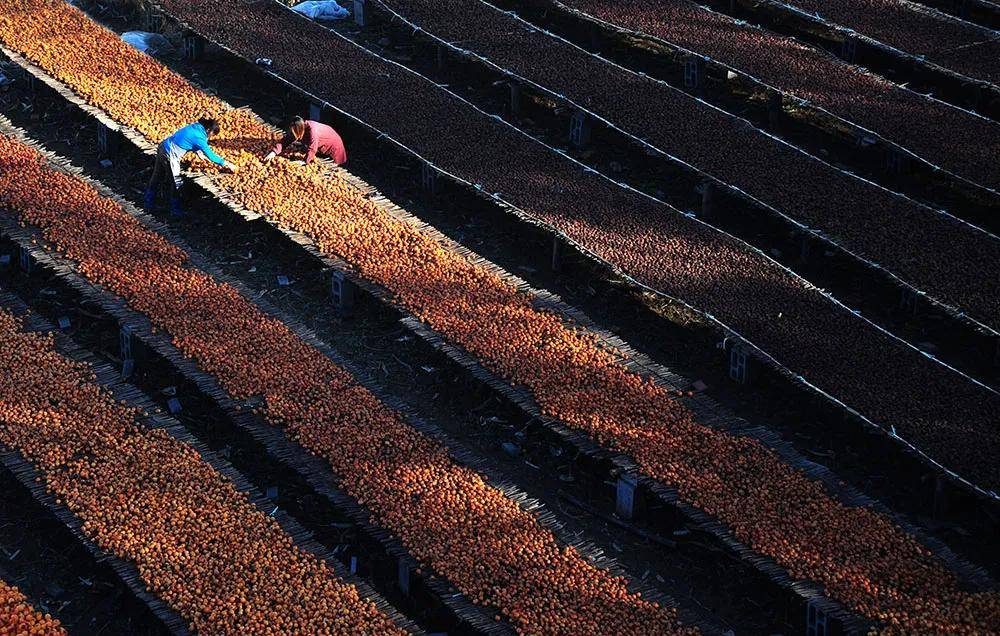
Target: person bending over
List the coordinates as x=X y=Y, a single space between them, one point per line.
x=316 y=137
x=191 y=138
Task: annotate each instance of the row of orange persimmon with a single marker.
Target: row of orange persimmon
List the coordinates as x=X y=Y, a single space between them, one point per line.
x=798 y=326
x=448 y=516
x=18 y=617
x=143 y=496
x=860 y=556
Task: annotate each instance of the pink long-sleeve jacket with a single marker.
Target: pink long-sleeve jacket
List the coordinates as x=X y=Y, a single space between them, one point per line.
x=316 y=138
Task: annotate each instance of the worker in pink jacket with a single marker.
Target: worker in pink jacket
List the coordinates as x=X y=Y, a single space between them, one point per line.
x=316 y=137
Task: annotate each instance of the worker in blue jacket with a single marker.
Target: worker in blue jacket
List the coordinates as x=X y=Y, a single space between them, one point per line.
x=192 y=138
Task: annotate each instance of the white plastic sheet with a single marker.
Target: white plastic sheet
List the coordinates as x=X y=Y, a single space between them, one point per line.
x=321 y=10
x=151 y=43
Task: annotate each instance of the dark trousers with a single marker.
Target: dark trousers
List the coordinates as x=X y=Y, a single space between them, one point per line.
x=166 y=168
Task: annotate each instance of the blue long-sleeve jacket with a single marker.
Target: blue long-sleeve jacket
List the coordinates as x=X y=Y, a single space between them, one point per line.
x=193 y=138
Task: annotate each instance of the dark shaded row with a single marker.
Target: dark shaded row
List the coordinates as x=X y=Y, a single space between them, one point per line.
x=779 y=511
x=450 y=517
x=931 y=251
x=798 y=325
x=959 y=46
x=899 y=115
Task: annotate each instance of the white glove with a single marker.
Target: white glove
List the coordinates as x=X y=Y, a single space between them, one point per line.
x=268 y=157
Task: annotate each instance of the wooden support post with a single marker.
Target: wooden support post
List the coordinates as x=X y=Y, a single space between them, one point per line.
x=817 y=621
x=897 y=162
x=849 y=49
x=556 y=253
x=403 y=576
x=739 y=364
x=194 y=47
x=978 y=95
x=154 y=20
x=918 y=72
x=103 y=140
x=107 y=141
x=805 y=248
x=775 y=110
x=940 y=502
x=341 y=292
x=26 y=260
x=125 y=349
x=428 y=179
x=515 y=99
x=360 y=13
x=625 y=499
x=595 y=36
x=31 y=83
x=708 y=198
x=694 y=72
x=908 y=301
x=579 y=129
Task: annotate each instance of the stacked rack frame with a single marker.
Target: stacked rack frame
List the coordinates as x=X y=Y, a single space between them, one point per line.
x=813 y=79
x=985 y=13
x=943 y=70
x=719 y=527
x=112 y=395
x=544 y=552
x=911 y=31
x=865 y=220
x=829 y=337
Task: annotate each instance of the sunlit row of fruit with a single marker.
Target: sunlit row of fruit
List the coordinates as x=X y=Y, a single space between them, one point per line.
x=861 y=557
x=197 y=543
x=19 y=618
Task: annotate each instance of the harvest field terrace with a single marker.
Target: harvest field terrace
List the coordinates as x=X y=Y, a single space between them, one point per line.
x=620 y=318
